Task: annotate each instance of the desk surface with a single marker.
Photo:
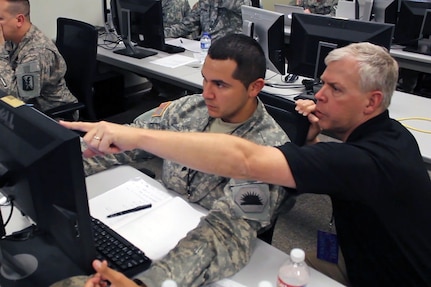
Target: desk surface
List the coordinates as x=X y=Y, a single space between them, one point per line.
x=403 y=105
x=265 y=259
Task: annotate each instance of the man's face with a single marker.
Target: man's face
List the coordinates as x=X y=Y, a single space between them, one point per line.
x=225 y=97
x=8 y=22
x=340 y=102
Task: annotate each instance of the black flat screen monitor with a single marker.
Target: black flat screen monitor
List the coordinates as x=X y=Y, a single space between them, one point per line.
x=41 y=171
x=308 y=30
x=410 y=20
x=268 y=31
x=426 y=25
x=385 y=11
x=141 y=22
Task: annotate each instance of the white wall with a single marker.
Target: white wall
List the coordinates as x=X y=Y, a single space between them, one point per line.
x=44 y=13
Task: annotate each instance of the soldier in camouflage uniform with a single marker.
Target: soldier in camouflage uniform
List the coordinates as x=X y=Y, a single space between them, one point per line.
x=323 y=7
x=222 y=242
x=174 y=11
x=218 y=17
x=31 y=68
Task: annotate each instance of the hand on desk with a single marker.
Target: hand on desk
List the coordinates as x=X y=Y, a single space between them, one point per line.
x=104 y=273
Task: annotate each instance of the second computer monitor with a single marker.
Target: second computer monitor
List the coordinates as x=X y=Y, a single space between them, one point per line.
x=268 y=30
x=308 y=30
x=385 y=11
x=410 y=20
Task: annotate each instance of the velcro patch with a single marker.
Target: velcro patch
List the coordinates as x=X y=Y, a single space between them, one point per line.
x=251 y=198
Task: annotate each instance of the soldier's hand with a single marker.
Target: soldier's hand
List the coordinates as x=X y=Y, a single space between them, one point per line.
x=105 y=274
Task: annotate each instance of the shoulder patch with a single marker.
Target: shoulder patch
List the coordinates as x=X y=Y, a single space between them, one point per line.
x=159 y=111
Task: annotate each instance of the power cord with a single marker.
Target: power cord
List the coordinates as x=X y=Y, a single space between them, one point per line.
x=413 y=128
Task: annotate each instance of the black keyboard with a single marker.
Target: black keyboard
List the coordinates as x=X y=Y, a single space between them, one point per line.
x=120 y=253
x=172 y=49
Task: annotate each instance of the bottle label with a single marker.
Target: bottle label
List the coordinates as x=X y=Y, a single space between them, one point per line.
x=281 y=283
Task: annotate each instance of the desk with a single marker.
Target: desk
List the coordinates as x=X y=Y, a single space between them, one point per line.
x=403 y=105
x=412 y=61
x=177 y=76
x=265 y=259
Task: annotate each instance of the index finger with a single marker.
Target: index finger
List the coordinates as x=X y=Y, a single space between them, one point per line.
x=79 y=126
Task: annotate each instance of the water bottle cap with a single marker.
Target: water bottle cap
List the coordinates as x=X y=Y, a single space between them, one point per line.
x=169 y=283
x=297 y=255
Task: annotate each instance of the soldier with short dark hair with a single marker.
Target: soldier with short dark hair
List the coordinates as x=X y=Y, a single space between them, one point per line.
x=31 y=68
x=222 y=243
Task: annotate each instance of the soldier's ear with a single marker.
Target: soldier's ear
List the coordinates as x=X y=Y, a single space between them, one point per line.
x=20 y=20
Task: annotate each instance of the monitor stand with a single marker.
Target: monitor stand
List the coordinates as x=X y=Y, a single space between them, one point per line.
x=134 y=52
x=311 y=88
x=424 y=47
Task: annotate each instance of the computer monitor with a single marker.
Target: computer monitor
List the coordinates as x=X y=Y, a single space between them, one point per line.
x=409 y=23
x=125 y=13
x=308 y=30
x=41 y=172
x=141 y=22
x=385 y=11
x=426 y=25
x=268 y=31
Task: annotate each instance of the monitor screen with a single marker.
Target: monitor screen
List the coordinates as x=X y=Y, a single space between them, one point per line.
x=409 y=23
x=42 y=174
x=131 y=18
x=385 y=11
x=308 y=30
x=426 y=25
x=268 y=31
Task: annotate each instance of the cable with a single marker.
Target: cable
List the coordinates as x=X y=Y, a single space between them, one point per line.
x=413 y=128
x=10 y=201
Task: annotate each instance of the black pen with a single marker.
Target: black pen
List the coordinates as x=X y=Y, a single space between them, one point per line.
x=137 y=208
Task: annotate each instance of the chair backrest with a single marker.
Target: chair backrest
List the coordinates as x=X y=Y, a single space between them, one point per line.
x=296 y=127
x=77 y=43
x=283 y=111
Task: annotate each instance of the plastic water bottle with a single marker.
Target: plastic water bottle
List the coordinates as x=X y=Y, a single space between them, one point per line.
x=294 y=272
x=205 y=44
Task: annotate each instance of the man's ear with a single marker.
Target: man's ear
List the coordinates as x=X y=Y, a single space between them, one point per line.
x=375 y=99
x=20 y=20
x=256 y=86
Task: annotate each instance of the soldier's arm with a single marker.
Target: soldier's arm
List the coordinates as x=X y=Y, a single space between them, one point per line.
x=219 y=247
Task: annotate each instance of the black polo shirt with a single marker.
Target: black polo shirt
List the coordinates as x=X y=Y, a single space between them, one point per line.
x=381 y=198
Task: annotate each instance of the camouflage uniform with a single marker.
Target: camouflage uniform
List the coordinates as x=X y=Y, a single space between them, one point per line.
x=324 y=7
x=218 y=17
x=34 y=71
x=223 y=241
x=174 y=11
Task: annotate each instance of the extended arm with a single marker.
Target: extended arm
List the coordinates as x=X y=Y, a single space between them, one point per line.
x=220 y=154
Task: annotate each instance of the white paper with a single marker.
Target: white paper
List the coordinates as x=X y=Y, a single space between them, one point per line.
x=159 y=231
x=174 y=61
x=155 y=230
x=130 y=194
x=191 y=45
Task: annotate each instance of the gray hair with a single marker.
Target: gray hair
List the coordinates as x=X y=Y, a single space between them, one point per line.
x=377 y=69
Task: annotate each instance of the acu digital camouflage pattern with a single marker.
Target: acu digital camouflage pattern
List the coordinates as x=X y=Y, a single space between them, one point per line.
x=174 y=11
x=324 y=7
x=222 y=243
x=34 y=70
x=218 y=17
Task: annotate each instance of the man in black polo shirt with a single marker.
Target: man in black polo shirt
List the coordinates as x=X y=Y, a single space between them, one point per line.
x=376 y=178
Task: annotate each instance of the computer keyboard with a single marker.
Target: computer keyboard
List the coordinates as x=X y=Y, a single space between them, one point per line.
x=172 y=49
x=120 y=253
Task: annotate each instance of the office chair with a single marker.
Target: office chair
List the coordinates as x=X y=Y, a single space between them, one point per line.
x=77 y=43
x=296 y=127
